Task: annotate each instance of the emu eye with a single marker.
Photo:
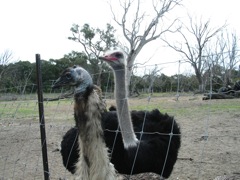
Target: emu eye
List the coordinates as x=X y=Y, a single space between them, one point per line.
x=68 y=76
x=118 y=55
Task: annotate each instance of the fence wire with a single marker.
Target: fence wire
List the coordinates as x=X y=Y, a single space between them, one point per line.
x=210 y=132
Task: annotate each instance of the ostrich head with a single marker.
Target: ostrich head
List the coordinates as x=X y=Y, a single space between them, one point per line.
x=74 y=76
x=116 y=59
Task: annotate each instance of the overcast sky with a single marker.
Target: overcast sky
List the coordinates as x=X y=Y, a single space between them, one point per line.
x=28 y=27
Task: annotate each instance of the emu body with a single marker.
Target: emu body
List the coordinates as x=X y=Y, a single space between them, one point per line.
x=93 y=162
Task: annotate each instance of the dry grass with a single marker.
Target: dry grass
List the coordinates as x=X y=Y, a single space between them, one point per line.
x=210 y=136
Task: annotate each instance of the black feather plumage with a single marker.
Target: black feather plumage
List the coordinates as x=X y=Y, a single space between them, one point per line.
x=161 y=133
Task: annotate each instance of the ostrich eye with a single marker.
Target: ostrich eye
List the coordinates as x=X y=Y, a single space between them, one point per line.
x=74 y=66
x=118 y=55
x=68 y=76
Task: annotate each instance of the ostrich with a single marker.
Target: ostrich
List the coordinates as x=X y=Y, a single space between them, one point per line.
x=93 y=163
x=158 y=146
x=153 y=148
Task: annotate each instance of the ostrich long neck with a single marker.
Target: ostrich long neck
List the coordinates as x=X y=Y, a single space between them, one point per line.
x=128 y=135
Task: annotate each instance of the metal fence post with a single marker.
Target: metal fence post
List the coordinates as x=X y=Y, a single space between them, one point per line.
x=41 y=118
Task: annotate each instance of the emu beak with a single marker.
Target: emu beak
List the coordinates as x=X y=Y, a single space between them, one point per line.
x=58 y=83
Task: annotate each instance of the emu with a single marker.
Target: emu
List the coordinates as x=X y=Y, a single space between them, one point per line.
x=158 y=143
x=93 y=163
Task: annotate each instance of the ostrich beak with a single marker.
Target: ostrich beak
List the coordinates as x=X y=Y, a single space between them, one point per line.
x=102 y=58
x=107 y=58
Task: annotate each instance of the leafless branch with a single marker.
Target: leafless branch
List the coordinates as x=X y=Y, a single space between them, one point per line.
x=133 y=33
x=136 y=40
x=194 y=37
x=6 y=57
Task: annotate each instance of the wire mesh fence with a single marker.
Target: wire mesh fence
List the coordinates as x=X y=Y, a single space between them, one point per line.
x=210 y=132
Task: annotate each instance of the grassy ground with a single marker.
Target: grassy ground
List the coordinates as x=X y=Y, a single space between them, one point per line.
x=210 y=135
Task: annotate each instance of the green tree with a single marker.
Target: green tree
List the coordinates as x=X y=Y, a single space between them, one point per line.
x=94 y=41
x=18 y=76
x=6 y=57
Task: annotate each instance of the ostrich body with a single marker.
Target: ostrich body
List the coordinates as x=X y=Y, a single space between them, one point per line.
x=93 y=163
x=160 y=142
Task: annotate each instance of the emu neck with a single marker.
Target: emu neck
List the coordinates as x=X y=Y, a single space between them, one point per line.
x=124 y=118
x=81 y=89
x=88 y=118
x=94 y=163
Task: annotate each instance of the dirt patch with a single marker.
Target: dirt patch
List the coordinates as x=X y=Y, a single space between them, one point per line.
x=210 y=139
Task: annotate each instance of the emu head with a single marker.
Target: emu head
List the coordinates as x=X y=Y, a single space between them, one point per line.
x=74 y=76
x=116 y=59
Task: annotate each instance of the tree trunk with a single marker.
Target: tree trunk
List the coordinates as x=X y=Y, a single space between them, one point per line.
x=130 y=60
x=99 y=78
x=201 y=87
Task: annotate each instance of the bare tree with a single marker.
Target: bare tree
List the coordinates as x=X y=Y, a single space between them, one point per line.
x=229 y=55
x=27 y=76
x=5 y=58
x=137 y=30
x=194 y=38
x=223 y=57
x=213 y=68
x=152 y=76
